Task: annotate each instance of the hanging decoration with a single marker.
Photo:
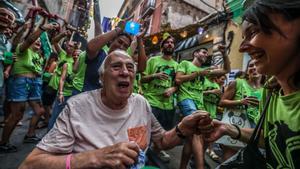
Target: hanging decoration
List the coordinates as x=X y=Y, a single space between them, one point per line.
x=154 y=40
x=183 y=34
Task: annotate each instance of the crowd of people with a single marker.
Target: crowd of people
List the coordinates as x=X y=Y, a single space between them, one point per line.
x=107 y=104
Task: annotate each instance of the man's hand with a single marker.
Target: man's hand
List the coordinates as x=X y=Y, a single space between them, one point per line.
x=161 y=76
x=213 y=131
x=190 y=124
x=169 y=91
x=50 y=26
x=122 y=22
x=118 y=156
x=145 y=25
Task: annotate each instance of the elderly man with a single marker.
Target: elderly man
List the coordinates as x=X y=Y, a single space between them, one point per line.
x=108 y=127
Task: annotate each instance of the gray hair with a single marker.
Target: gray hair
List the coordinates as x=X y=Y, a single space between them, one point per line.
x=116 y=52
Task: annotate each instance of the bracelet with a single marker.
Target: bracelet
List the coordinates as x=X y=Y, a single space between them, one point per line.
x=68 y=161
x=43 y=29
x=60 y=93
x=239 y=132
x=179 y=133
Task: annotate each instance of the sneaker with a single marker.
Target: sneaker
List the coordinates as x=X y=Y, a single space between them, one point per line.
x=164 y=156
x=31 y=139
x=7 y=148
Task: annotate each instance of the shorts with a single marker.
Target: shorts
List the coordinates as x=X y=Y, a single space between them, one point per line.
x=187 y=107
x=164 y=117
x=25 y=89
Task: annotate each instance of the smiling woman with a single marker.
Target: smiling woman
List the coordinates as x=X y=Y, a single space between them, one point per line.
x=271 y=36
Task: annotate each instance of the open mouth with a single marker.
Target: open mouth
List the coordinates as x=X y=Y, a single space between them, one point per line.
x=123 y=84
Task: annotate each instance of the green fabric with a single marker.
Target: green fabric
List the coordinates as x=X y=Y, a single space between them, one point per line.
x=46 y=45
x=105 y=48
x=8 y=58
x=27 y=62
x=282 y=129
x=211 y=101
x=243 y=89
x=191 y=89
x=46 y=76
x=63 y=58
x=68 y=86
x=236 y=7
x=155 y=88
x=136 y=83
x=78 y=79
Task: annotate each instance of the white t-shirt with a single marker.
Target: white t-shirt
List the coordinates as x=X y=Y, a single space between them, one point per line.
x=87 y=124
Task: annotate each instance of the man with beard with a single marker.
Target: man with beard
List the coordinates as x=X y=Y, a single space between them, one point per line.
x=190 y=77
x=26 y=87
x=160 y=78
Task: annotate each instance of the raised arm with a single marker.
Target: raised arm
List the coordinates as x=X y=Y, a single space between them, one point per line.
x=142 y=58
x=226 y=67
x=96 y=44
x=181 y=77
x=36 y=34
x=55 y=41
x=62 y=82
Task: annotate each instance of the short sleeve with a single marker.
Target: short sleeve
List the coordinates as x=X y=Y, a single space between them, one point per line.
x=181 y=67
x=60 y=139
x=149 y=67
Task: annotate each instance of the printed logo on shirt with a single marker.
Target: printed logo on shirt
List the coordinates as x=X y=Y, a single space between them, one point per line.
x=138 y=135
x=284 y=146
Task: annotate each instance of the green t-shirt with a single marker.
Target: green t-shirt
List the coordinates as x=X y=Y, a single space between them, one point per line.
x=282 y=130
x=78 y=79
x=243 y=89
x=136 y=83
x=27 y=62
x=211 y=101
x=63 y=58
x=155 y=88
x=191 y=89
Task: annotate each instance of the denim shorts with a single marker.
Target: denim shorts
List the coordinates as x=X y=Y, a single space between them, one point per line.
x=25 y=89
x=187 y=106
